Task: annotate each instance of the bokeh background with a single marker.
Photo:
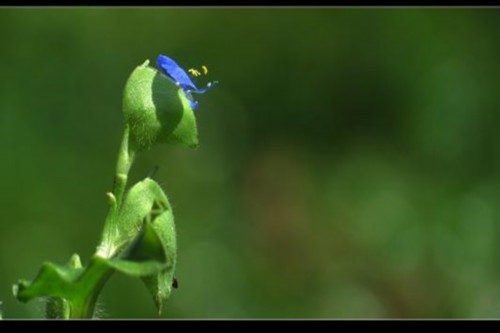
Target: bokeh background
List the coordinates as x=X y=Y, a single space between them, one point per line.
x=349 y=164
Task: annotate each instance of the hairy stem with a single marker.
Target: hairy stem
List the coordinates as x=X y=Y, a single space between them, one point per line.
x=126 y=156
x=84 y=307
x=95 y=276
x=125 y=159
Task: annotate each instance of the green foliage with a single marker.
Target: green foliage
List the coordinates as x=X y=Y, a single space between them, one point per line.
x=80 y=286
x=146 y=202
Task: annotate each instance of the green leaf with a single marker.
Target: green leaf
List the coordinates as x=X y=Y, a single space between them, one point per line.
x=145 y=242
x=144 y=256
x=157 y=110
x=78 y=286
x=147 y=202
x=59 y=308
x=152 y=205
x=160 y=283
x=144 y=201
x=152 y=256
x=74 y=290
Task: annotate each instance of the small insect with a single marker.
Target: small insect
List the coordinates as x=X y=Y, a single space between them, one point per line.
x=175 y=283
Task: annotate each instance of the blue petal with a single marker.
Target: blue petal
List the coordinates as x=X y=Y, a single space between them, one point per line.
x=192 y=102
x=175 y=72
x=170 y=68
x=209 y=86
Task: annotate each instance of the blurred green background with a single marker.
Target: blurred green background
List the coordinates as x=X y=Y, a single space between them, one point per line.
x=349 y=164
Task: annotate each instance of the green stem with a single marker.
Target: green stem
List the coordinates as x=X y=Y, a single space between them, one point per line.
x=57 y=308
x=126 y=156
x=98 y=272
x=91 y=283
x=125 y=159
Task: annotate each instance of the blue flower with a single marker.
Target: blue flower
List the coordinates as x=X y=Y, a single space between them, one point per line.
x=170 y=68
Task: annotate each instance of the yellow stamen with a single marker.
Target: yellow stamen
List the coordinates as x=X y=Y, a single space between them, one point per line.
x=205 y=69
x=194 y=72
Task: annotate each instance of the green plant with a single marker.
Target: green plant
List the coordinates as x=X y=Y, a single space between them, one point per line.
x=138 y=237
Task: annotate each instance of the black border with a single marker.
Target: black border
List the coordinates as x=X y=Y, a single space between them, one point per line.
x=280 y=4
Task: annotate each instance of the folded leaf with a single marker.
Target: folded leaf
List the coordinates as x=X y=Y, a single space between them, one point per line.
x=145 y=246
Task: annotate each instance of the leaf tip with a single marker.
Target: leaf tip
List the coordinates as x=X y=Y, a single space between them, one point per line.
x=74 y=261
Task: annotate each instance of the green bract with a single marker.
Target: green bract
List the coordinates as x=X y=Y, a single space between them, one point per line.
x=157 y=110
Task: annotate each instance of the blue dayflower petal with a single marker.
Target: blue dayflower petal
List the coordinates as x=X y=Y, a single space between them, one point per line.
x=192 y=102
x=209 y=86
x=172 y=70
